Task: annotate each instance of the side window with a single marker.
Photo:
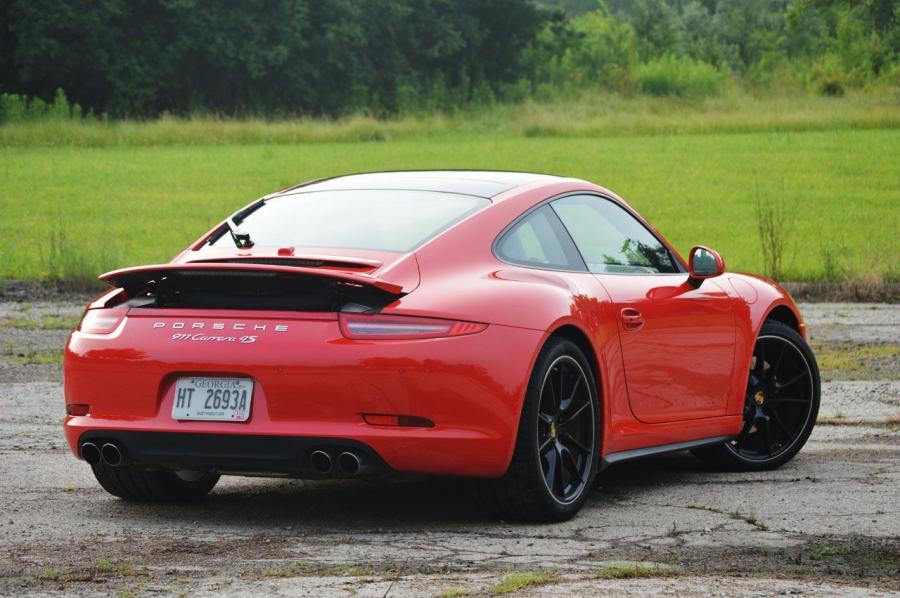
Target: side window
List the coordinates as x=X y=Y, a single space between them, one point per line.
x=539 y=240
x=610 y=239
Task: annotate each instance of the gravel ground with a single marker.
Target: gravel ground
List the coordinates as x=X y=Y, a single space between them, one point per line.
x=828 y=523
x=862 y=323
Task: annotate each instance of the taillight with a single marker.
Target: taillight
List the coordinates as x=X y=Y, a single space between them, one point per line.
x=380 y=327
x=101 y=321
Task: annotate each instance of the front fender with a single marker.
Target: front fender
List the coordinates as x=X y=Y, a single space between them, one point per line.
x=755 y=300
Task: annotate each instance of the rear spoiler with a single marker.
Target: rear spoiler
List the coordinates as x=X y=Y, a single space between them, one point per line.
x=134 y=280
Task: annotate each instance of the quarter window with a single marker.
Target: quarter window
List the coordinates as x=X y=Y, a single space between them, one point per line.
x=610 y=239
x=540 y=240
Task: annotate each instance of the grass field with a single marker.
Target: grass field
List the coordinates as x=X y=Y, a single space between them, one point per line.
x=70 y=211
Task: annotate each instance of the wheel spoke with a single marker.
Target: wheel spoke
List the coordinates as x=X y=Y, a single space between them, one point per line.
x=767 y=435
x=562 y=381
x=544 y=445
x=553 y=398
x=570 y=465
x=574 y=389
x=793 y=380
x=778 y=360
x=578 y=444
x=774 y=415
x=546 y=418
x=581 y=408
x=760 y=359
x=559 y=483
x=552 y=457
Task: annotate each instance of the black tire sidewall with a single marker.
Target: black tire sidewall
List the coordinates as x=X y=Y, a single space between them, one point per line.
x=134 y=484
x=724 y=457
x=527 y=444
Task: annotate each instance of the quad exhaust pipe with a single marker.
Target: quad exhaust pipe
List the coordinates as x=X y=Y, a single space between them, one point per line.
x=107 y=453
x=90 y=453
x=349 y=463
x=321 y=462
x=111 y=454
x=346 y=463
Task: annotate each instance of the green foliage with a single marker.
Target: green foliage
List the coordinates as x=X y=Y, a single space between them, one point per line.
x=19 y=108
x=828 y=76
x=602 y=51
x=13 y=107
x=679 y=76
x=285 y=58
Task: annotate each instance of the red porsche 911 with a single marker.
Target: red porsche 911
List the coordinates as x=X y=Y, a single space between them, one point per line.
x=525 y=329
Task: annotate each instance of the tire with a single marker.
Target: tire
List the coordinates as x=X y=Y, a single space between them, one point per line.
x=131 y=483
x=782 y=403
x=568 y=437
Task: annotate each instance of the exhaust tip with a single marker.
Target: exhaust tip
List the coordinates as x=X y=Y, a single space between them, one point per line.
x=90 y=453
x=111 y=454
x=320 y=461
x=349 y=463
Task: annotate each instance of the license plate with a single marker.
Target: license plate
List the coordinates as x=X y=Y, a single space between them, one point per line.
x=213 y=399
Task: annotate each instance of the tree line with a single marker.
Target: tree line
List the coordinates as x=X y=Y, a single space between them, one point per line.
x=141 y=58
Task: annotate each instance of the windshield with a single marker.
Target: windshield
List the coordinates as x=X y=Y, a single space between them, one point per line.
x=381 y=220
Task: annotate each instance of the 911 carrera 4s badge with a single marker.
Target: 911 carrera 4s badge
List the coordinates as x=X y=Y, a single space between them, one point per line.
x=205 y=331
x=245 y=339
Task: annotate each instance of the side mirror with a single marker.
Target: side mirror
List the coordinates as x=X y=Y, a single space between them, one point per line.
x=705 y=263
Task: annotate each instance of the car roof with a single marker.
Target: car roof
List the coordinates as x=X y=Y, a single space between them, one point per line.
x=480 y=183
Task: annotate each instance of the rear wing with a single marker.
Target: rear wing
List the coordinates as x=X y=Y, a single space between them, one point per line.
x=134 y=280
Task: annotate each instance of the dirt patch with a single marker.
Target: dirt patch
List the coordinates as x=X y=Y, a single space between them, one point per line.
x=853 y=361
x=78 y=293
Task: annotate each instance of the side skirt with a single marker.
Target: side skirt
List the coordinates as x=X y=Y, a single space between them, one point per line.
x=648 y=451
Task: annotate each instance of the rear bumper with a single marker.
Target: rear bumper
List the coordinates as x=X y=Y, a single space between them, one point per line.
x=235 y=453
x=311 y=386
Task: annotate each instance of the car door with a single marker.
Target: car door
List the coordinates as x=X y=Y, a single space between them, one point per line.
x=677 y=336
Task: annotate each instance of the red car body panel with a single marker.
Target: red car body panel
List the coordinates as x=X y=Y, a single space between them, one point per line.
x=310 y=381
x=680 y=376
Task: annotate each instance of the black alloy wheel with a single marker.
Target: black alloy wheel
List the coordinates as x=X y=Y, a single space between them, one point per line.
x=781 y=405
x=566 y=434
x=556 y=456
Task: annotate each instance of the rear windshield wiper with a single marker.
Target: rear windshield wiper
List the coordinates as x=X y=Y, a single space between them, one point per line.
x=232 y=227
x=240 y=237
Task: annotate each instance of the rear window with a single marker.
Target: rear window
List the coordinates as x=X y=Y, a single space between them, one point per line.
x=380 y=220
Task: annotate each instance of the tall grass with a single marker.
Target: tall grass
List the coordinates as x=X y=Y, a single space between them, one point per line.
x=679 y=76
x=587 y=115
x=775 y=221
x=75 y=262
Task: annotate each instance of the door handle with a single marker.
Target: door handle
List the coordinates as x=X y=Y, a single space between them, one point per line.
x=632 y=319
